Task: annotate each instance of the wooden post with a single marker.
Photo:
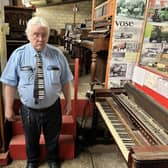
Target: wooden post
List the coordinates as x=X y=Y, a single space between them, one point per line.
x=75 y=9
x=113 y=8
x=76 y=86
x=4 y=29
x=2 y=133
x=93 y=14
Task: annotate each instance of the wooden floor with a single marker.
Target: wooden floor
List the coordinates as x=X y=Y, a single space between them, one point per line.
x=96 y=156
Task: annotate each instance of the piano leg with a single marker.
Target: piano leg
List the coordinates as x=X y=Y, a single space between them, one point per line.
x=93 y=68
x=94 y=123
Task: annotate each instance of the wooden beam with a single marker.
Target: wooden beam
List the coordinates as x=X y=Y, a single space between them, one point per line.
x=2 y=133
x=63 y=2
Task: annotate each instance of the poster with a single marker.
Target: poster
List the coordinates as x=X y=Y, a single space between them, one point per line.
x=162 y=86
x=151 y=80
x=155 y=44
x=126 y=41
x=139 y=75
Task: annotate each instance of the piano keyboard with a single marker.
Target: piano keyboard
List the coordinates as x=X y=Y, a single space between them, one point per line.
x=116 y=127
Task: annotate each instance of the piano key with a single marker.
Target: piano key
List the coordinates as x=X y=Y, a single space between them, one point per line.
x=120 y=129
x=111 y=115
x=123 y=134
x=126 y=137
x=117 y=129
x=117 y=124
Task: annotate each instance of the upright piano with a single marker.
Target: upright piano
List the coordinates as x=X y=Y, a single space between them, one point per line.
x=92 y=49
x=138 y=124
x=98 y=44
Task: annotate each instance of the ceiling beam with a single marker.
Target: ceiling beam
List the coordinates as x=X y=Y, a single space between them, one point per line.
x=57 y=2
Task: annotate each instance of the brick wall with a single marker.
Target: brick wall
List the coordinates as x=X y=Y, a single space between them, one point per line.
x=58 y=15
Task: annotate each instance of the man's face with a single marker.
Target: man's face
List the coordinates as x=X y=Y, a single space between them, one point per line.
x=38 y=37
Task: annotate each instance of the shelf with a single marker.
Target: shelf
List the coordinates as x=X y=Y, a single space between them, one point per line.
x=153 y=83
x=156 y=71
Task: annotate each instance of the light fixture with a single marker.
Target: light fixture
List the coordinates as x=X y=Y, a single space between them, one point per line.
x=75 y=8
x=26 y=3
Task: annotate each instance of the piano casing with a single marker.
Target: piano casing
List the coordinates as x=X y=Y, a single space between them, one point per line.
x=137 y=123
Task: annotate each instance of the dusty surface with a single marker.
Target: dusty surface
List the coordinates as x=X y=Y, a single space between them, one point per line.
x=97 y=156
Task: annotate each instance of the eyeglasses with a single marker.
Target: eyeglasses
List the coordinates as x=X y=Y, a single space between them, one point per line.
x=40 y=35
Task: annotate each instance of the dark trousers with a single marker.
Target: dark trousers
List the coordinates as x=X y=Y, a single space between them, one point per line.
x=49 y=122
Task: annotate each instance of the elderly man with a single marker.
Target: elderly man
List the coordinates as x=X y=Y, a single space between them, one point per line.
x=40 y=72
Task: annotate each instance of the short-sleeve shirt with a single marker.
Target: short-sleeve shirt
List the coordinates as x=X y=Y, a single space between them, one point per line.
x=20 y=72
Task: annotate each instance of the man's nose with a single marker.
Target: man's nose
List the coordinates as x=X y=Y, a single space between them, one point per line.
x=40 y=37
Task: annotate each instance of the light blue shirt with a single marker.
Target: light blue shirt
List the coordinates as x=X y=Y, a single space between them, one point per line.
x=20 y=71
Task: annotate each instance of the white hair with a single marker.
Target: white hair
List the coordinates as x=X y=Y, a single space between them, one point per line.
x=39 y=21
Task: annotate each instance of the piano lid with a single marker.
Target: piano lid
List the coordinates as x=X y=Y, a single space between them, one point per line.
x=101 y=33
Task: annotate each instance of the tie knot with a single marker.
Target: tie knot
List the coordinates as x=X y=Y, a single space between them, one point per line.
x=38 y=54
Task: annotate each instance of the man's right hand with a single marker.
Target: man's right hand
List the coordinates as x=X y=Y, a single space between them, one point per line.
x=10 y=93
x=10 y=115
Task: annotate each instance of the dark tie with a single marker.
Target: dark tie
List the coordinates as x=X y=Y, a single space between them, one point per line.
x=39 y=90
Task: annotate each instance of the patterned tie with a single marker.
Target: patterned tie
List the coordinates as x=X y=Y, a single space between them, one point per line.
x=39 y=90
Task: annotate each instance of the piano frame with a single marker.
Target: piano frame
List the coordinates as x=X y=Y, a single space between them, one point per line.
x=144 y=150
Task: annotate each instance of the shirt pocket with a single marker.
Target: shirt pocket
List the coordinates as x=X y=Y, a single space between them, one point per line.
x=26 y=75
x=54 y=72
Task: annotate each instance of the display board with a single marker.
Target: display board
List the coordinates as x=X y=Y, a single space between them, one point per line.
x=151 y=75
x=139 y=47
x=155 y=44
x=153 y=84
x=126 y=41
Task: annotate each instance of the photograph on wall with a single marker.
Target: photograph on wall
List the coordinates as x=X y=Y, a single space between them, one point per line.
x=150 y=52
x=155 y=48
x=118 y=70
x=127 y=39
x=155 y=45
x=154 y=54
x=130 y=8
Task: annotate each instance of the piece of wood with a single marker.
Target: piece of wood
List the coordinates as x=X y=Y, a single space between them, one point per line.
x=2 y=133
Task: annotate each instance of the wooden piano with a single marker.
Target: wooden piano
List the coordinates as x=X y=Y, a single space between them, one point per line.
x=137 y=123
x=98 y=44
